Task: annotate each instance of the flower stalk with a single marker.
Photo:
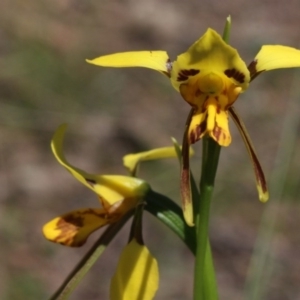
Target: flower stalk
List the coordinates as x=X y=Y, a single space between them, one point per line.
x=204 y=278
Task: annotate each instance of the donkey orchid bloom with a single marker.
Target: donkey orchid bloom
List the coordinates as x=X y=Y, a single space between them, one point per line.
x=117 y=195
x=210 y=76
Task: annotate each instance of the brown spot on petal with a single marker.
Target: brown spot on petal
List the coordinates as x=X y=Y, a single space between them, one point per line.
x=185 y=188
x=197 y=132
x=185 y=167
x=259 y=174
x=182 y=78
x=169 y=66
x=190 y=72
x=217 y=132
x=184 y=74
x=235 y=74
x=252 y=69
x=166 y=73
x=68 y=227
x=91 y=182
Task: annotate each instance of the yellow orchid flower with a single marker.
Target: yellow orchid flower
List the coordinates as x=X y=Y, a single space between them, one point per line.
x=137 y=275
x=117 y=195
x=210 y=76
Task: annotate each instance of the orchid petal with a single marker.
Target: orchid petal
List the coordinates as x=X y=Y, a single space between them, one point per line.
x=217 y=125
x=111 y=188
x=197 y=128
x=185 y=176
x=137 y=274
x=131 y=161
x=272 y=57
x=156 y=60
x=73 y=229
x=259 y=174
x=212 y=121
x=186 y=195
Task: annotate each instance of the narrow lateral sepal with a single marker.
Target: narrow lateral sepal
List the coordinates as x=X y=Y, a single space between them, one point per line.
x=258 y=171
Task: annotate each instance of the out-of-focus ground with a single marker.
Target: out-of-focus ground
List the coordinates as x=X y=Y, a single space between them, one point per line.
x=45 y=81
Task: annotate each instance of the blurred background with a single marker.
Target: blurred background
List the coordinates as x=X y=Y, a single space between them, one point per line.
x=45 y=81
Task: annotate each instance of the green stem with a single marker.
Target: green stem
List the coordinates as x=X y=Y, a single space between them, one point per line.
x=204 y=279
x=136 y=227
x=210 y=282
x=71 y=282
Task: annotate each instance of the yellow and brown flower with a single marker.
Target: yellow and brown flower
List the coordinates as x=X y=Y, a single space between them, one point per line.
x=210 y=76
x=117 y=195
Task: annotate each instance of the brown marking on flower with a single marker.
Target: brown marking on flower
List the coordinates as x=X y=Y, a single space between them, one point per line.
x=252 y=69
x=259 y=172
x=91 y=182
x=169 y=66
x=185 y=74
x=235 y=74
x=190 y=72
x=227 y=106
x=185 y=184
x=182 y=78
x=185 y=167
x=197 y=132
x=69 y=226
x=185 y=189
x=260 y=177
x=167 y=74
x=217 y=132
x=203 y=109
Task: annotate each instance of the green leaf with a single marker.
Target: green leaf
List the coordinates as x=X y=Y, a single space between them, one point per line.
x=168 y=212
